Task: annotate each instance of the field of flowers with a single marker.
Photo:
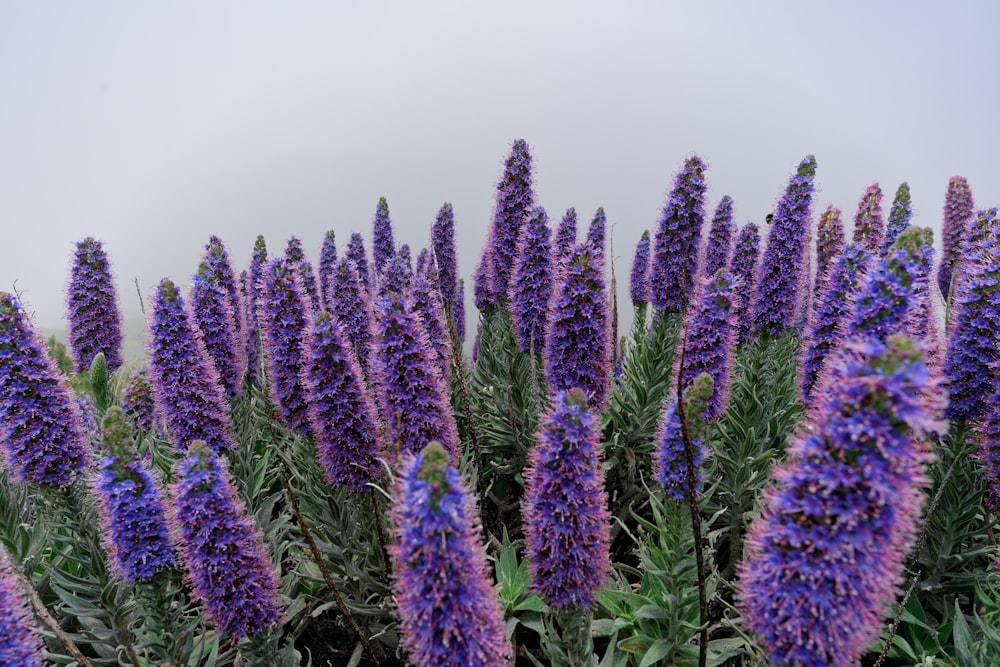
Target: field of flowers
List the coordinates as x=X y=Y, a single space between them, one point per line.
x=792 y=457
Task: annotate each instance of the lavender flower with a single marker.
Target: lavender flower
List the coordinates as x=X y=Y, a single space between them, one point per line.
x=285 y=315
x=639 y=280
x=869 y=228
x=577 y=339
x=779 y=279
x=395 y=277
x=458 y=312
x=220 y=271
x=720 y=238
x=424 y=264
x=531 y=286
x=829 y=242
x=596 y=233
x=899 y=217
x=826 y=557
x=341 y=415
x=482 y=280
x=251 y=289
x=746 y=252
x=41 y=430
x=137 y=401
x=449 y=615
x=825 y=331
x=671 y=463
x=223 y=553
x=20 y=643
x=426 y=302
x=213 y=315
x=327 y=260
x=383 y=245
x=443 y=247
x=356 y=253
x=351 y=309
x=515 y=199
x=133 y=524
x=95 y=323
x=565 y=237
x=708 y=341
x=675 y=246
x=185 y=383
x=566 y=521
x=404 y=254
x=414 y=401
x=958 y=209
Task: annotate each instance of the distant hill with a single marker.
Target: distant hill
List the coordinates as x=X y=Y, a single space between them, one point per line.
x=134 y=347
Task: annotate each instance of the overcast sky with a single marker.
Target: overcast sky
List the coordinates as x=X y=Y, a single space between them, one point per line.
x=154 y=125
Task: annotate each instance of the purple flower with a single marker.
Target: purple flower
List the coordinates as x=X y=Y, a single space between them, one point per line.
x=20 y=642
x=869 y=228
x=639 y=279
x=826 y=557
x=566 y=521
x=221 y=271
x=449 y=615
x=353 y=312
x=341 y=415
x=95 y=323
x=720 y=238
x=829 y=243
x=482 y=280
x=958 y=209
x=383 y=245
x=295 y=258
x=404 y=254
x=356 y=253
x=137 y=401
x=565 y=236
x=746 y=252
x=577 y=339
x=779 y=278
x=251 y=289
x=415 y=403
x=515 y=199
x=327 y=260
x=185 y=383
x=285 y=314
x=458 y=312
x=222 y=551
x=825 y=330
x=675 y=245
x=41 y=429
x=133 y=524
x=709 y=339
x=899 y=217
x=531 y=285
x=671 y=463
x=395 y=277
x=426 y=302
x=213 y=315
x=596 y=233
x=443 y=247
x=425 y=265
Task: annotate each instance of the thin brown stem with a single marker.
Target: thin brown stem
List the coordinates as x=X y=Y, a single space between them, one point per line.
x=133 y=658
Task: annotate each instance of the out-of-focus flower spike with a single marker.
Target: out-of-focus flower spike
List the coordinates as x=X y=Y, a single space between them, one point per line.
x=958 y=211
x=869 y=228
x=708 y=341
x=899 y=217
x=639 y=278
x=20 y=642
x=829 y=243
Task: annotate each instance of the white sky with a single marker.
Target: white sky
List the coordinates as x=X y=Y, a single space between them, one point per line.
x=154 y=125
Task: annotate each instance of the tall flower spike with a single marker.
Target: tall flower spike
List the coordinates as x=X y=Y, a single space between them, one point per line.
x=424 y=264
x=185 y=383
x=220 y=269
x=779 y=279
x=746 y=252
x=597 y=232
x=41 y=428
x=639 y=278
x=708 y=341
x=223 y=553
x=383 y=245
x=671 y=463
x=341 y=415
x=407 y=257
x=675 y=245
x=531 y=285
x=415 y=403
x=720 y=238
x=578 y=340
x=95 y=323
x=565 y=237
x=899 y=217
x=829 y=243
x=826 y=557
x=426 y=301
x=482 y=280
x=826 y=329
x=284 y=314
x=137 y=401
x=958 y=210
x=566 y=521
x=327 y=260
x=458 y=312
x=20 y=642
x=449 y=615
x=869 y=228
x=352 y=310
x=445 y=257
x=253 y=335
x=395 y=277
x=514 y=201
x=356 y=253
x=133 y=523
x=212 y=313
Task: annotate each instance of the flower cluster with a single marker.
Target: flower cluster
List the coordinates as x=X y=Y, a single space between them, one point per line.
x=327 y=260
x=720 y=238
x=252 y=340
x=482 y=283
x=383 y=244
x=899 y=217
x=639 y=278
x=746 y=252
x=356 y=254
x=597 y=232
x=395 y=277
x=295 y=259
x=565 y=236
x=213 y=314
x=869 y=228
x=138 y=402
x=531 y=285
x=515 y=199
x=426 y=302
x=445 y=258
x=829 y=242
x=95 y=323
x=708 y=341
x=958 y=209
x=351 y=309
x=20 y=643
x=671 y=462
x=675 y=245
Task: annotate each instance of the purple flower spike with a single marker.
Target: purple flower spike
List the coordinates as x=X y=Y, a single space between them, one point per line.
x=639 y=279
x=566 y=521
x=20 y=642
x=185 y=383
x=779 y=280
x=825 y=331
x=675 y=246
x=482 y=280
x=341 y=415
x=327 y=260
x=458 y=312
x=285 y=314
x=415 y=402
x=899 y=217
x=577 y=340
x=445 y=258
x=356 y=254
x=95 y=323
x=404 y=254
x=41 y=428
x=671 y=464
x=252 y=340
x=531 y=285
x=426 y=301
x=597 y=232
x=720 y=238
x=826 y=557
x=223 y=553
x=869 y=228
x=515 y=199
x=829 y=242
x=220 y=272
x=133 y=523
x=138 y=402
x=353 y=312
x=746 y=252
x=708 y=342
x=958 y=210
x=449 y=615
x=424 y=264
x=565 y=237
x=383 y=245
x=395 y=277
x=210 y=307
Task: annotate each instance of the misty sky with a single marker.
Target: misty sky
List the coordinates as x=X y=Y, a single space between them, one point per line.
x=154 y=125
